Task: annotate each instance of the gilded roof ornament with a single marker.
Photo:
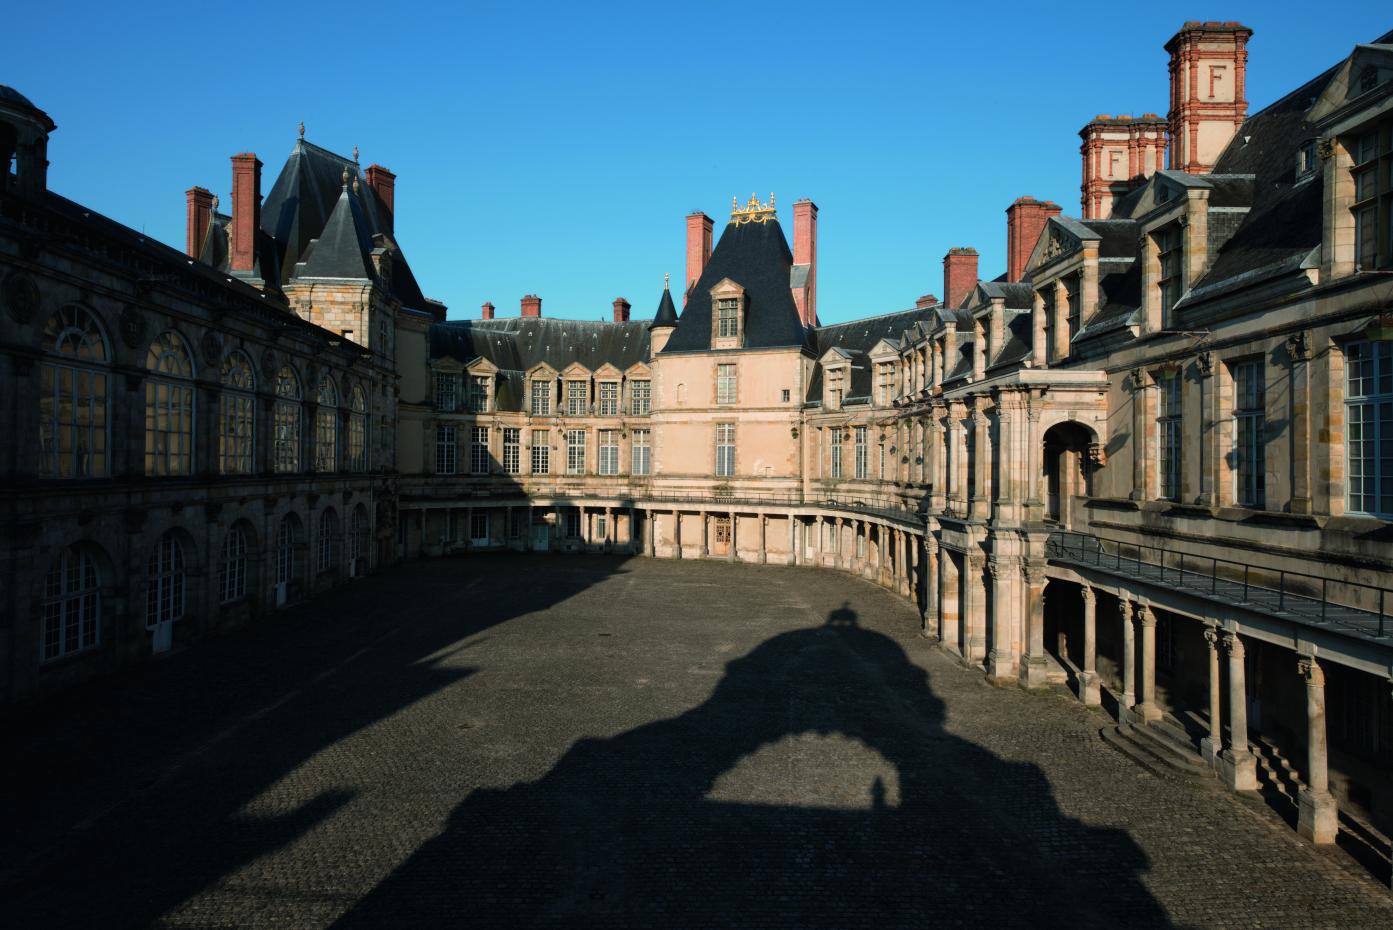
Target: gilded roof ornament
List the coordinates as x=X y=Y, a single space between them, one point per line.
x=752 y=212
x=302 y=129
x=665 y=280
x=345 y=178
x=355 y=154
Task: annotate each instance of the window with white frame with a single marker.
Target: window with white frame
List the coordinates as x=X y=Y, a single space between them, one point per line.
x=445 y=451
x=862 y=463
x=836 y=387
x=885 y=384
x=285 y=551
x=601 y=526
x=725 y=450
x=541 y=397
x=479 y=450
x=71 y=605
x=512 y=447
x=287 y=421
x=232 y=567
x=642 y=452
x=725 y=383
x=236 y=416
x=836 y=436
x=326 y=426
x=478 y=394
x=609 y=398
x=1168 y=435
x=609 y=451
x=575 y=451
x=728 y=317
x=640 y=397
x=446 y=391
x=169 y=407
x=1170 y=248
x=541 y=452
x=328 y=539
x=1249 y=433
x=577 y=398
x=357 y=429
x=164 y=582
x=73 y=410
x=1369 y=427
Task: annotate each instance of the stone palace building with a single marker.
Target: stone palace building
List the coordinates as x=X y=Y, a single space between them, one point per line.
x=1151 y=460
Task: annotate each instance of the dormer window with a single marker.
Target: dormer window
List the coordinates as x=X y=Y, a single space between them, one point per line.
x=446 y=391
x=1306 y=160
x=577 y=398
x=727 y=317
x=885 y=384
x=1075 y=307
x=541 y=397
x=609 y=398
x=478 y=394
x=1170 y=250
x=835 y=388
x=1373 y=197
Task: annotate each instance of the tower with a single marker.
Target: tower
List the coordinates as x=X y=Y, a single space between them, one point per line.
x=1207 y=105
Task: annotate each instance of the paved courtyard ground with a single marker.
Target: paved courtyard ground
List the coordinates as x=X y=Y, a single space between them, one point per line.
x=599 y=742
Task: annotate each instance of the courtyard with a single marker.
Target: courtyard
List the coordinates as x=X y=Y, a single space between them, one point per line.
x=500 y=741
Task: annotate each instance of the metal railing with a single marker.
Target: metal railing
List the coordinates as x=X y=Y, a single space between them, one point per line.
x=1297 y=595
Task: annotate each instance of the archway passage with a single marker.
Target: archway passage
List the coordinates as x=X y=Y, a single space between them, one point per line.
x=1068 y=468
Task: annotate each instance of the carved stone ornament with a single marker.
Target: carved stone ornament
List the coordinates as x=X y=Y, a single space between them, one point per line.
x=212 y=348
x=21 y=296
x=1325 y=148
x=132 y=325
x=1205 y=360
x=268 y=364
x=1297 y=347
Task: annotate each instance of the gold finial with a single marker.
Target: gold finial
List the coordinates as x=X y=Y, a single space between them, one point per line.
x=734 y=204
x=752 y=212
x=302 y=129
x=771 y=200
x=355 y=154
x=665 y=280
x=345 y=178
x=355 y=184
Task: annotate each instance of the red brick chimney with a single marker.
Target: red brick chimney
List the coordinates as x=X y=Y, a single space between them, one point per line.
x=621 y=310
x=198 y=214
x=805 y=253
x=928 y=300
x=532 y=305
x=1025 y=220
x=698 y=246
x=384 y=184
x=246 y=211
x=959 y=275
x=487 y=311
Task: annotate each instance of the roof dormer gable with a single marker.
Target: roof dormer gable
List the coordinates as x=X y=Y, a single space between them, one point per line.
x=835 y=357
x=1062 y=236
x=638 y=370
x=886 y=350
x=575 y=372
x=541 y=370
x=607 y=372
x=482 y=367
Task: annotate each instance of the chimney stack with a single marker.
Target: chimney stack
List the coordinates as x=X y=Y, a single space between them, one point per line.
x=698 y=246
x=621 y=310
x=384 y=184
x=1025 y=220
x=487 y=313
x=246 y=211
x=805 y=260
x=198 y=215
x=959 y=275
x=928 y=300
x=1208 y=69
x=531 y=305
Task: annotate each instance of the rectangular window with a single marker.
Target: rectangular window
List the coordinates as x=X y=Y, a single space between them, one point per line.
x=72 y=422
x=885 y=384
x=479 y=527
x=1249 y=433
x=1369 y=427
x=642 y=451
x=1373 y=196
x=1075 y=318
x=1168 y=436
x=609 y=398
x=609 y=451
x=640 y=397
x=541 y=397
x=235 y=432
x=837 y=436
x=479 y=450
x=862 y=465
x=168 y=428
x=512 y=442
x=572 y=523
x=785 y=394
x=880 y=452
x=478 y=394
x=725 y=450
x=357 y=442
x=728 y=316
x=444 y=450
x=326 y=421
x=541 y=452
x=1047 y=306
x=835 y=388
x=725 y=384
x=577 y=396
x=575 y=451
x=446 y=391
x=1169 y=243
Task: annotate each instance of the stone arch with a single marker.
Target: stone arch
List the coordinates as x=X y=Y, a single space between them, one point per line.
x=1069 y=465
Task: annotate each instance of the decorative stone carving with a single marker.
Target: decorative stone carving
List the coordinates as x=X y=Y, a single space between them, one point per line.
x=21 y=297
x=1325 y=148
x=268 y=364
x=1205 y=362
x=132 y=326
x=212 y=348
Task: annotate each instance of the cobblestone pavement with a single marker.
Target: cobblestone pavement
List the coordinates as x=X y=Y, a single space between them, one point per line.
x=600 y=742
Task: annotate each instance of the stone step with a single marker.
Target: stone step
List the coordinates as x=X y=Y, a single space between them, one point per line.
x=1173 y=749
x=1154 y=753
x=1113 y=736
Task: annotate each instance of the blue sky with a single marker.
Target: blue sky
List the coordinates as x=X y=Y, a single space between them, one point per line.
x=556 y=148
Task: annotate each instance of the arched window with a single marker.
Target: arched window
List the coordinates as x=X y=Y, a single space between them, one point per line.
x=328 y=529
x=72 y=605
x=164 y=582
x=358 y=537
x=73 y=397
x=237 y=416
x=326 y=426
x=287 y=421
x=285 y=551
x=169 y=407
x=232 y=569
x=357 y=430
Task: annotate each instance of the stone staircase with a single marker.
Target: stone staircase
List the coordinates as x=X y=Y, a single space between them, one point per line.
x=1163 y=747
x=1278 y=780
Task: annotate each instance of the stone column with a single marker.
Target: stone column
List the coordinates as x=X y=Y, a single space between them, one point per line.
x=821 y=538
x=1001 y=661
x=635 y=538
x=610 y=534
x=705 y=534
x=949 y=605
x=838 y=556
x=1214 y=742
x=560 y=526
x=1034 y=666
x=1148 y=708
x=1236 y=763
x=730 y=549
x=982 y=464
x=763 y=539
x=928 y=622
x=1089 y=691
x=677 y=534
x=794 y=555
x=974 y=610
x=1318 y=814
x=1129 y=660
x=651 y=528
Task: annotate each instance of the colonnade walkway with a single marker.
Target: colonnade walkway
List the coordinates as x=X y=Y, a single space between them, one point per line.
x=619 y=741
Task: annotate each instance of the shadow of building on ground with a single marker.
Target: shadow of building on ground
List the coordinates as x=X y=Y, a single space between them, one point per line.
x=625 y=832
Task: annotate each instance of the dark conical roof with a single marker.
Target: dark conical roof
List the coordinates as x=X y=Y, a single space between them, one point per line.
x=342 y=248
x=667 y=312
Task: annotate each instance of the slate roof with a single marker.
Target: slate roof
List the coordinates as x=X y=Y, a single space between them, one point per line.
x=755 y=256
x=857 y=338
x=667 y=313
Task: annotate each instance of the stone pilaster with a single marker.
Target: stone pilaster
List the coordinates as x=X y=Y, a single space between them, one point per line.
x=1211 y=745
x=1317 y=813
x=1089 y=691
x=1237 y=766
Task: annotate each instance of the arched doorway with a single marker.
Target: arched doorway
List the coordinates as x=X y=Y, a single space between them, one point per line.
x=1068 y=470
